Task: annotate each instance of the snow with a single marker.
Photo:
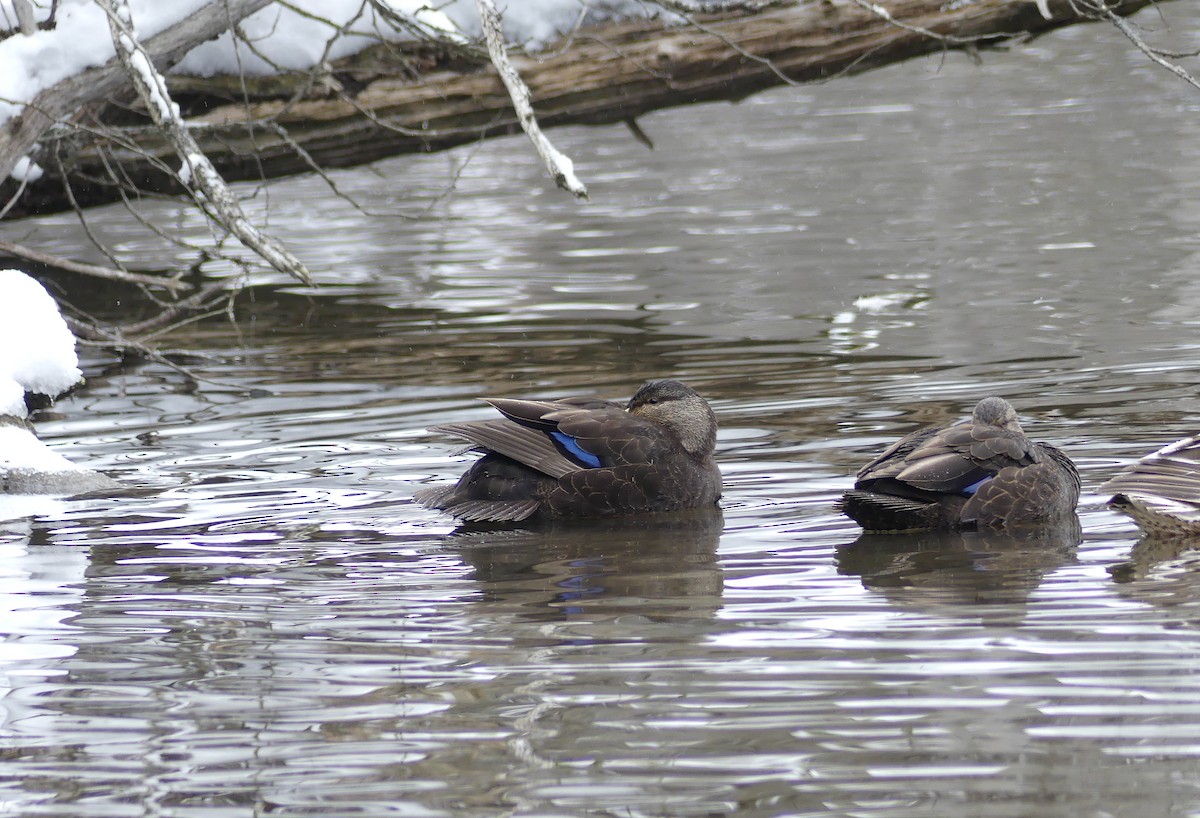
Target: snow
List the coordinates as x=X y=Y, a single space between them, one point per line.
x=26 y=170
x=167 y=110
x=20 y=449
x=79 y=40
x=288 y=39
x=563 y=164
x=185 y=168
x=37 y=350
x=37 y=354
x=535 y=23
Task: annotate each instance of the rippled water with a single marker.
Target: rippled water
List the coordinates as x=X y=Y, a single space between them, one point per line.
x=268 y=625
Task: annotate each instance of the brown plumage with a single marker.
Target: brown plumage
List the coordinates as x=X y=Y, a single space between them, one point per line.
x=980 y=473
x=583 y=457
x=1161 y=492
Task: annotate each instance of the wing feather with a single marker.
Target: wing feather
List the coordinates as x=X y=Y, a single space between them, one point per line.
x=521 y=443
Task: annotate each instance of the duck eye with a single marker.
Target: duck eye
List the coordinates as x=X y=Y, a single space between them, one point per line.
x=653 y=401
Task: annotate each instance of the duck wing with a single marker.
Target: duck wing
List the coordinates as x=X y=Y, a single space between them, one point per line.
x=956 y=459
x=950 y=460
x=596 y=434
x=477 y=510
x=1043 y=490
x=1173 y=473
x=531 y=447
x=1162 y=490
x=555 y=438
x=891 y=461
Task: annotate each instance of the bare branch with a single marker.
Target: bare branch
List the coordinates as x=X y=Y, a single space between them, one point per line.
x=687 y=14
x=607 y=74
x=217 y=199
x=1154 y=54
x=109 y=273
x=950 y=39
x=559 y=165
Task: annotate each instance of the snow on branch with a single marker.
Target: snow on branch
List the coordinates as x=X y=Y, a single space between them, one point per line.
x=197 y=172
x=559 y=165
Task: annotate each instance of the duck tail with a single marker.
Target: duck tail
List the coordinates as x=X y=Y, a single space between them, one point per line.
x=887 y=512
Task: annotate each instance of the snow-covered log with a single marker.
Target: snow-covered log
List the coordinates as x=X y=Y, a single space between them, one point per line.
x=370 y=108
x=67 y=100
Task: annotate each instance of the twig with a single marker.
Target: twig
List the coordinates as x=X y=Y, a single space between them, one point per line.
x=96 y=271
x=200 y=300
x=16 y=197
x=951 y=39
x=686 y=13
x=197 y=172
x=568 y=38
x=61 y=102
x=1154 y=54
x=638 y=133
x=560 y=166
x=94 y=335
x=69 y=191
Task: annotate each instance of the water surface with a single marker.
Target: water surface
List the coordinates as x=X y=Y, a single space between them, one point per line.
x=269 y=625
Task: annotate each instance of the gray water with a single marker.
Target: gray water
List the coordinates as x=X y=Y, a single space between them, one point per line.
x=269 y=626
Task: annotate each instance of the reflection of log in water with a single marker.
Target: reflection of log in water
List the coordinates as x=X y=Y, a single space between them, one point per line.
x=960 y=567
x=659 y=565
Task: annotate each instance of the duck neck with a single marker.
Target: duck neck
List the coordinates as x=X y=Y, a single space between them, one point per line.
x=699 y=435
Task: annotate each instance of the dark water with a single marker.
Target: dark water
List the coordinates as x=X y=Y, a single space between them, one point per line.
x=271 y=627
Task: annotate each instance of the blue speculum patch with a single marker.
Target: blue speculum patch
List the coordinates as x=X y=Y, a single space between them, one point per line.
x=575 y=450
x=974 y=487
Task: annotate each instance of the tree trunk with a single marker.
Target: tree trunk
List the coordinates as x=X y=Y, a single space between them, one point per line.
x=606 y=74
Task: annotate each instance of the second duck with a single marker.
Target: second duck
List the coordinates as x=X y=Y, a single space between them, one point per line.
x=979 y=473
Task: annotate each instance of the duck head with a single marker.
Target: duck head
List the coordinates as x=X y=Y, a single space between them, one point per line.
x=997 y=412
x=680 y=410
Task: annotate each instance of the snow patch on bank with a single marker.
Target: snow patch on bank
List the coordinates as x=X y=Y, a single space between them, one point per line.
x=37 y=354
x=37 y=350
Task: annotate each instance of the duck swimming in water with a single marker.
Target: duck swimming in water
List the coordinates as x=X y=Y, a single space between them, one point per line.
x=979 y=473
x=584 y=457
x=1161 y=492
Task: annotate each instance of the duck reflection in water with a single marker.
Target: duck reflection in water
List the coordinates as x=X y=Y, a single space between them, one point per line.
x=961 y=567
x=661 y=566
x=1155 y=549
x=980 y=473
x=584 y=457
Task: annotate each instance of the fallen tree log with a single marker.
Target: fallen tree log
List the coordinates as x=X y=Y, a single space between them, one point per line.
x=70 y=100
x=373 y=106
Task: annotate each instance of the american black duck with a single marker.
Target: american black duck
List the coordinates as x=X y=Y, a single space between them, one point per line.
x=583 y=457
x=980 y=473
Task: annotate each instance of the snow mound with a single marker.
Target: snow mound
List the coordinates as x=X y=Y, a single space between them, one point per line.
x=297 y=38
x=37 y=354
x=37 y=350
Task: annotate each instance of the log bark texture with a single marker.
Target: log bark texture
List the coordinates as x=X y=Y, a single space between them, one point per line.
x=608 y=74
